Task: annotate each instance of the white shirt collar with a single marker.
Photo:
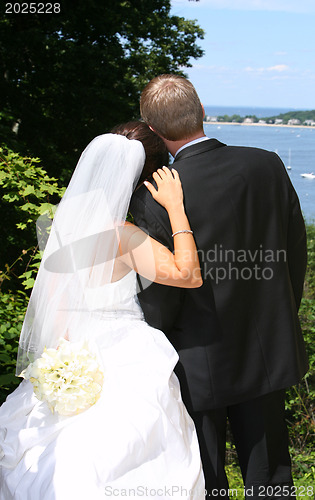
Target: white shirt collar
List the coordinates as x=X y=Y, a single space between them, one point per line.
x=195 y=141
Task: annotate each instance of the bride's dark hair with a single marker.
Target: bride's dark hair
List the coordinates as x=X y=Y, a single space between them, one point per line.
x=156 y=154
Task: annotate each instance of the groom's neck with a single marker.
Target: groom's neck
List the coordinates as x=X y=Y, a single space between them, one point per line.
x=174 y=146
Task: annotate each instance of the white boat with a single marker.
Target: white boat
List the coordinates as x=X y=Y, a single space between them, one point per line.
x=289 y=162
x=308 y=176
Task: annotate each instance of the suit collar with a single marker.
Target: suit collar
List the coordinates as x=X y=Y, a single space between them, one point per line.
x=200 y=147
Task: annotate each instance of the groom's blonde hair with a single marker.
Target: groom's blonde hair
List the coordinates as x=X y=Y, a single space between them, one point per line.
x=171 y=106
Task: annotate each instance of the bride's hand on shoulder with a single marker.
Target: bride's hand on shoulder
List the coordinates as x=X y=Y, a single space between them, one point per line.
x=169 y=191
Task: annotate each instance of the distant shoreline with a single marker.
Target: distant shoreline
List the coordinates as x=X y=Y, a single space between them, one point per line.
x=260 y=124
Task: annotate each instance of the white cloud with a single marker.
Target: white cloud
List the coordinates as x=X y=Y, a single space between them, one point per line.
x=249 y=69
x=220 y=70
x=216 y=69
x=279 y=68
x=282 y=77
x=302 y=6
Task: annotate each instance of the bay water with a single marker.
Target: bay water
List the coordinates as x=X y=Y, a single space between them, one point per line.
x=295 y=146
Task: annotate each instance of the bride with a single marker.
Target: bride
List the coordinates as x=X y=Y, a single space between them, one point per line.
x=137 y=439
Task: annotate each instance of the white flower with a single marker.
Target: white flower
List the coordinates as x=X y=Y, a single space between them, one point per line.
x=68 y=378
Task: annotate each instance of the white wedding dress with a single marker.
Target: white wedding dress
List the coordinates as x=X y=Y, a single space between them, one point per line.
x=137 y=441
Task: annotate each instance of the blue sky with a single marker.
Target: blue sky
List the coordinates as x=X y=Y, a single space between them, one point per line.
x=257 y=52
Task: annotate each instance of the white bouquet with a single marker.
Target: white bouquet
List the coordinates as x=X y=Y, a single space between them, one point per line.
x=68 y=378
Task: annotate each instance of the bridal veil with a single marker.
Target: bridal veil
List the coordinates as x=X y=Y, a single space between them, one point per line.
x=83 y=242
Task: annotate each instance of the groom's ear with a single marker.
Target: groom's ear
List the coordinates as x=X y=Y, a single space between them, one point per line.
x=151 y=128
x=203 y=111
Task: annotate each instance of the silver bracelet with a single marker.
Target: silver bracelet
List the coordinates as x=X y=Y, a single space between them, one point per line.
x=182 y=231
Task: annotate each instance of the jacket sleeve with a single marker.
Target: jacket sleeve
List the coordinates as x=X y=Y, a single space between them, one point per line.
x=159 y=303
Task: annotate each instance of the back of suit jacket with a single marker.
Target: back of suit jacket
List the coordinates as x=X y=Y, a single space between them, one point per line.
x=238 y=336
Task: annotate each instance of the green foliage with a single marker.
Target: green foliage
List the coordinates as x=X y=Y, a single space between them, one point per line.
x=12 y=310
x=300 y=402
x=299 y=115
x=309 y=292
x=26 y=193
x=236 y=118
x=67 y=77
x=233 y=118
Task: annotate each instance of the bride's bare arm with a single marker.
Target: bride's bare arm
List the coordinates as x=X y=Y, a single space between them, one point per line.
x=151 y=259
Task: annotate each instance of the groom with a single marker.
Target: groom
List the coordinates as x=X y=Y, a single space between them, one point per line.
x=238 y=336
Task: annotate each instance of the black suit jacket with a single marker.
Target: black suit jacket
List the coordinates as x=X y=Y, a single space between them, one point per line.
x=238 y=336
